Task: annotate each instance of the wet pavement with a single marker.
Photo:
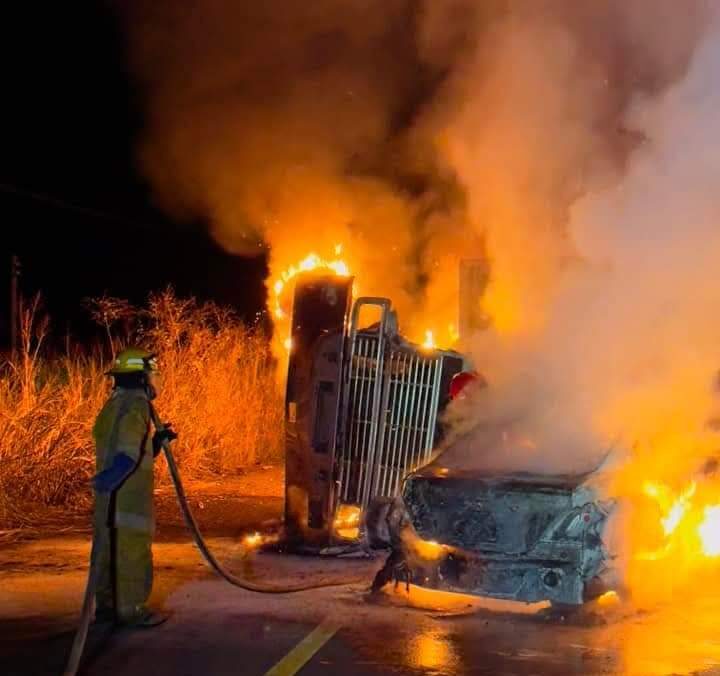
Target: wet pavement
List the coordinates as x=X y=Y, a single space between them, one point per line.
x=218 y=629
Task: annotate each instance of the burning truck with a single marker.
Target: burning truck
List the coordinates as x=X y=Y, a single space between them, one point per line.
x=363 y=419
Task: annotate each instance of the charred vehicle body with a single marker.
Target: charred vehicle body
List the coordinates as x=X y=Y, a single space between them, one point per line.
x=516 y=536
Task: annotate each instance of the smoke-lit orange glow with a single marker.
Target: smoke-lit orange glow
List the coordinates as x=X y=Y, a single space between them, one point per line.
x=505 y=314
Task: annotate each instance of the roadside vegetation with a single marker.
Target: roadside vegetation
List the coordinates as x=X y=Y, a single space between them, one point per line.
x=219 y=391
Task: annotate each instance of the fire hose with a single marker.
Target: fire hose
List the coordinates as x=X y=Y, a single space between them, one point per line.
x=87 y=606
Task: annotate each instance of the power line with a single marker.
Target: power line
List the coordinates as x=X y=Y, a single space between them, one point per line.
x=67 y=206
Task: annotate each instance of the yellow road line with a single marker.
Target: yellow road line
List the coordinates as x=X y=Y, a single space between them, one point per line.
x=303 y=652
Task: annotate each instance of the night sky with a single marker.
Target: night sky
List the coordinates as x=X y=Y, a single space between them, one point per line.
x=73 y=206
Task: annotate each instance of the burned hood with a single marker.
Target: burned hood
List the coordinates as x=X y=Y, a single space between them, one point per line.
x=522 y=480
x=503 y=453
x=502 y=514
x=490 y=492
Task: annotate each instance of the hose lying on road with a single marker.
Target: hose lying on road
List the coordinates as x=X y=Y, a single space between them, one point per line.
x=215 y=564
x=87 y=606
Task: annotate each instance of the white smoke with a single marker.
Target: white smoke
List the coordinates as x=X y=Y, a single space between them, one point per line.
x=621 y=337
x=573 y=141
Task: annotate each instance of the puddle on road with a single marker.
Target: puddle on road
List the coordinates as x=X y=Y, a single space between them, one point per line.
x=433 y=650
x=682 y=639
x=614 y=641
x=455 y=634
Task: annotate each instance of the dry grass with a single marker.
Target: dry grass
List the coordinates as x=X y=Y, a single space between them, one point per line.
x=219 y=391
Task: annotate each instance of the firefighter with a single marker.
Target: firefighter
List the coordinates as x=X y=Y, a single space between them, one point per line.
x=123 y=523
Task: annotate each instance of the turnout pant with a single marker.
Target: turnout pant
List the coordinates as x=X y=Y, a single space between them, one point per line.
x=125 y=573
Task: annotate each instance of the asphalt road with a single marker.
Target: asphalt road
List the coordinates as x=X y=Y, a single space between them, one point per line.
x=217 y=629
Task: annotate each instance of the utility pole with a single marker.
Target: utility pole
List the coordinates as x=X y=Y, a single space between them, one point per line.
x=14 y=303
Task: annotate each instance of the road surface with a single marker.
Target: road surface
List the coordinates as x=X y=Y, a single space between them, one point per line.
x=217 y=629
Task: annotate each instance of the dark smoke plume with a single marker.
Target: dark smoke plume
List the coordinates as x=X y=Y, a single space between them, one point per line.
x=292 y=125
x=411 y=131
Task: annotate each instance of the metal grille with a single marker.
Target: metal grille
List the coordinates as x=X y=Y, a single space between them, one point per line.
x=407 y=430
x=363 y=392
x=390 y=403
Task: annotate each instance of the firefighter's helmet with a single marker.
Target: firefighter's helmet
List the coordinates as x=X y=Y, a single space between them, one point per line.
x=134 y=360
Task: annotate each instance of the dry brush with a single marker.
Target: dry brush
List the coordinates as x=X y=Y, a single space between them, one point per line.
x=219 y=391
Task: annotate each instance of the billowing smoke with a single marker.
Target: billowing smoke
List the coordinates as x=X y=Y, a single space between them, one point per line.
x=570 y=141
x=573 y=143
x=290 y=126
x=583 y=142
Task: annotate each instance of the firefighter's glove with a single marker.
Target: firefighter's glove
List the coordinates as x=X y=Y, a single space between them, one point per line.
x=112 y=478
x=167 y=434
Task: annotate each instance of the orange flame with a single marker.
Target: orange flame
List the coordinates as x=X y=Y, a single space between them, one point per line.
x=430 y=338
x=608 y=599
x=682 y=525
x=674 y=509
x=347 y=522
x=429 y=549
x=256 y=540
x=429 y=342
x=311 y=262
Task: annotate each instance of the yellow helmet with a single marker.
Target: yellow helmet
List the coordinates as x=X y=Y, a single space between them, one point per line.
x=134 y=360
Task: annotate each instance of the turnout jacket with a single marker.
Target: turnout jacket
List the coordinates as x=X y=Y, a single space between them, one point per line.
x=123 y=426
